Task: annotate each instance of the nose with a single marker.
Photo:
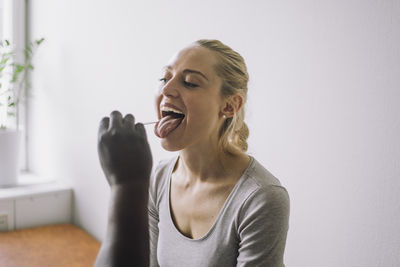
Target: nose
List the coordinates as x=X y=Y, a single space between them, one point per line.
x=170 y=88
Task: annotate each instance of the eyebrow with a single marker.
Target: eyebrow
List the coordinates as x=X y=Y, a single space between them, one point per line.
x=188 y=71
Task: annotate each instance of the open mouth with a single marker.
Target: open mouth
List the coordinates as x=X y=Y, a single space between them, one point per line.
x=172 y=114
x=171 y=119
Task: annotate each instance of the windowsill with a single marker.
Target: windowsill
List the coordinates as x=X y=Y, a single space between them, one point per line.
x=31 y=184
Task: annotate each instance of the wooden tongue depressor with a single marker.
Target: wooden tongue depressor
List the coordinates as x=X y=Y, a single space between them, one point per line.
x=150 y=122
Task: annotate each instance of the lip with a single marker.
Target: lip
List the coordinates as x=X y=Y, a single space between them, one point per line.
x=169 y=105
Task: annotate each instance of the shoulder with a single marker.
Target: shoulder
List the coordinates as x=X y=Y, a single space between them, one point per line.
x=260 y=176
x=265 y=193
x=163 y=167
x=263 y=218
x=159 y=178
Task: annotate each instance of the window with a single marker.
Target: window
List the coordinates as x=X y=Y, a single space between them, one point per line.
x=1 y=19
x=12 y=28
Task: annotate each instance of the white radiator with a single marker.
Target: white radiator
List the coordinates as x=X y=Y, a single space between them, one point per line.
x=34 y=202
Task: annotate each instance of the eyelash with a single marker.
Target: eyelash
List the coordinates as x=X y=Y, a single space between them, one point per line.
x=187 y=84
x=192 y=85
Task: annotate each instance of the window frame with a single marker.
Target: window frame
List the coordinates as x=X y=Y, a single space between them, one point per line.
x=15 y=29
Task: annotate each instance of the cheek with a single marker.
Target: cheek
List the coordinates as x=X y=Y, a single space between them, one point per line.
x=205 y=113
x=157 y=101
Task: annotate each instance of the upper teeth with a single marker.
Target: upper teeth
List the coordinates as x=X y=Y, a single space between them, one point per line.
x=166 y=109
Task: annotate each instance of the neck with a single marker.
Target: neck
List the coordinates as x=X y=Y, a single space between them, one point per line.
x=208 y=163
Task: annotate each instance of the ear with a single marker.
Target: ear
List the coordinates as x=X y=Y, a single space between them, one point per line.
x=232 y=105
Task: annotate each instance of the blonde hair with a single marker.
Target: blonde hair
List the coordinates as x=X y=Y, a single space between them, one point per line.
x=232 y=69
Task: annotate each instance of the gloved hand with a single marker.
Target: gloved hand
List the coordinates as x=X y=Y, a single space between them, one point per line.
x=123 y=149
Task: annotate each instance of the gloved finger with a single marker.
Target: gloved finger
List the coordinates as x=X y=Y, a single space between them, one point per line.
x=103 y=127
x=129 y=121
x=141 y=130
x=116 y=119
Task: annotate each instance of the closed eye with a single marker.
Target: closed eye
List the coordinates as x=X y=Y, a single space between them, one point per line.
x=188 y=84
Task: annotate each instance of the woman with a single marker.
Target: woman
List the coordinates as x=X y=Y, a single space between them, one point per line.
x=213 y=205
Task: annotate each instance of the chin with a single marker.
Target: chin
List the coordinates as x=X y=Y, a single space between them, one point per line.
x=170 y=146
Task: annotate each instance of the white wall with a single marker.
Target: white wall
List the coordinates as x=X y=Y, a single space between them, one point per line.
x=323 y=105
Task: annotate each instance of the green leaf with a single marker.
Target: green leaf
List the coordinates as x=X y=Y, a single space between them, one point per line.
x=28 y=48
x=7 y=42
x=19 y=67
x=10 y=113
x=38 y=42
x=14 y=78
x=4 y=60
x=12 y=104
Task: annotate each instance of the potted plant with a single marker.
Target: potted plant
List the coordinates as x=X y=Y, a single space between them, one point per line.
x=14 y=88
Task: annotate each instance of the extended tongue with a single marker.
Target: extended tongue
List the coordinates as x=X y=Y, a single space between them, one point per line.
x=166 y=125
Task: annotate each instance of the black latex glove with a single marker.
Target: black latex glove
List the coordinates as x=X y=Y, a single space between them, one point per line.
x=123 y=150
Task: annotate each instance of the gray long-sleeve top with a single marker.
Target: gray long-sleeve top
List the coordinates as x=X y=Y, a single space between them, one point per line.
x=250 y=229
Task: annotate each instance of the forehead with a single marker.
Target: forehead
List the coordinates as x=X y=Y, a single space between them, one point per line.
x=195 y=58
